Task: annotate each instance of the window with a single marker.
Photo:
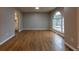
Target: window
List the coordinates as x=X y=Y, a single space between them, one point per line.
x=58 y=22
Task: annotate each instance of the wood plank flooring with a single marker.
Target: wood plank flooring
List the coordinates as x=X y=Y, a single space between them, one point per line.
x=34 y=41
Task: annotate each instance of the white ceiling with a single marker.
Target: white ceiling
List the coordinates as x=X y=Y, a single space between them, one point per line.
x=32 y=9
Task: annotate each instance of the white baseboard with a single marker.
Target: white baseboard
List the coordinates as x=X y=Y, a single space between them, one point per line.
x=36 y=29
x=20 y=30
x=74 y=49
x=61 y=34
x=7 y=39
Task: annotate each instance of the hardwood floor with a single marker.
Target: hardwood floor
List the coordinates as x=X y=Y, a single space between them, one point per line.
x=34 y=41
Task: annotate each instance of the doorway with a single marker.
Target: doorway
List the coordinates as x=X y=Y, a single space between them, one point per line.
x=16 y=22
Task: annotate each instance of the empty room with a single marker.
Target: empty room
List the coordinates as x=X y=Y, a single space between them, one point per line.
x=39 y=29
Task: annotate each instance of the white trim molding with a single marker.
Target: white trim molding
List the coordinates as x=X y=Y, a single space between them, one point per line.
x=20 y=30
x=7 y=39
x=74 y=49
x=59 y=33
x=36 y=29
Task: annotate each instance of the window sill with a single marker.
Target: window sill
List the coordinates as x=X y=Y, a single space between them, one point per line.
x=59 y=33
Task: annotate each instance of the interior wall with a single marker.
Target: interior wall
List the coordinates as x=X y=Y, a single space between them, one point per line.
x=78 y=27
x=6 y=23
x=70 y=17
x=1 y=24
x=36 y=21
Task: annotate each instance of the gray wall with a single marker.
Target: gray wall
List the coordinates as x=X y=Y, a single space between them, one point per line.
x=6 y=23
x=36 y=21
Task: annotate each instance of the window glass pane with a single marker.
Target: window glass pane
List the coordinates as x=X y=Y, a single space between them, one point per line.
x=63 y=25
x=58 y=22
